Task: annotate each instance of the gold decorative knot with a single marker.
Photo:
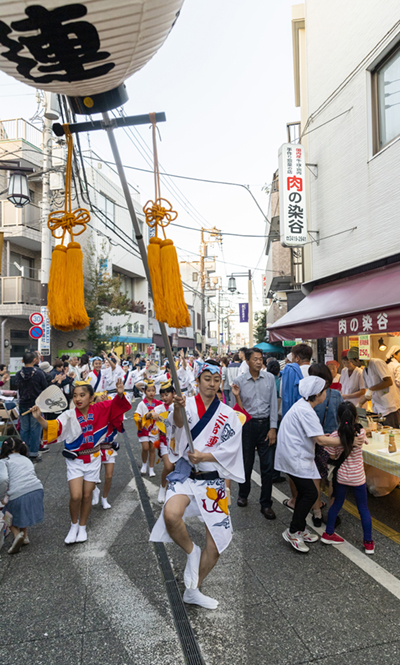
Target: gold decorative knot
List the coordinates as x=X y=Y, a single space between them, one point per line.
x=155 y=213
x=67 y=221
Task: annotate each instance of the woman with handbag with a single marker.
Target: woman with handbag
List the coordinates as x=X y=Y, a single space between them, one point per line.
x=327 y=414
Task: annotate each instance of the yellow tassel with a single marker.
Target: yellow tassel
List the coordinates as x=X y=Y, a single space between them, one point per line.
x=177 y=312
x=56 y=295
x=78 y=318
x=154 y=259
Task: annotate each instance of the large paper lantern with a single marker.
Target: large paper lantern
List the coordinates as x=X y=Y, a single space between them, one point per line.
x=85 y=50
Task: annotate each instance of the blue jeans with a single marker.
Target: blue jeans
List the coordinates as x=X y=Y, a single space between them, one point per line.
x=30 y=433
x=227 y=395
x=360 y=495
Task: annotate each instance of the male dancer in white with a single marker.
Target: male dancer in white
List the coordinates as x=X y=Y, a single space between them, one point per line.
x=217 y=438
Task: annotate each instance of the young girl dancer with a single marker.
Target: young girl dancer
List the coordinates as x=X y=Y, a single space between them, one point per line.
x=167 y=394
x=98 y=377
x=20 y=489
x=148 y=433
x=83 y=429
x=349 y=472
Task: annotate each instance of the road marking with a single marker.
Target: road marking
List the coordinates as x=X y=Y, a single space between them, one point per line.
x=139 y=625
x=361 y=560
x=376 y=524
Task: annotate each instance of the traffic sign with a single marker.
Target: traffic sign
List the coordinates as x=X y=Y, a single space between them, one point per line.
x=36 y=332
x=36 y=319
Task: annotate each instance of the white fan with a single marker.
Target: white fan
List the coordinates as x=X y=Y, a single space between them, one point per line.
x=52 y=400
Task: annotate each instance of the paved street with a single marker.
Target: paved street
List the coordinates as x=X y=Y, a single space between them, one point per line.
x=106 y=602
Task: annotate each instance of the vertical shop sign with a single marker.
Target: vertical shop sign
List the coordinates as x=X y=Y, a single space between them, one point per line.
x=292 y=195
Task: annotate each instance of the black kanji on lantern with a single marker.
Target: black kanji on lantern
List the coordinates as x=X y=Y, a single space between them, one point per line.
x=59 y=49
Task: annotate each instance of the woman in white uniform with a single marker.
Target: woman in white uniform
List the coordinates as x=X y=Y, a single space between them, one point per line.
x=393 y=362
x=299 y=431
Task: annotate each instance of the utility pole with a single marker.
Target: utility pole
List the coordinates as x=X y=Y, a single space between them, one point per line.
x=250 y=287
x=218 y=321
x=50 y=114
x=215 y=236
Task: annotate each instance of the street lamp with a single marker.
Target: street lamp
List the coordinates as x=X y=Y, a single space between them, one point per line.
x=232 y=284
x=18 y=188
x=232 y=289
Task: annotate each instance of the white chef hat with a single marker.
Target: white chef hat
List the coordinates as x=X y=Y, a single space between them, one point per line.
x=311 y=385
x=392 y=351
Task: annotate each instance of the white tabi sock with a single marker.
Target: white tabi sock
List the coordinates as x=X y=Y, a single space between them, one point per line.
x=191 y=574
x=195 y=597
x=82 y=535
x=144 y=468
x=162 y=492
x=72 y=534
x=95 y=496
x=105 y=503
x=152 y=473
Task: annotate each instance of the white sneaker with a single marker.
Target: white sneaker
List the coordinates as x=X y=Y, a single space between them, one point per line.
x=296 y=540
x=72 y=534
x=195 y=597
x=95 y=496
x=105 y=503
x=191 y=573
x=162 y=492
x=26 y=540
x=143 y=470
x=17 y=543
x=152 y=473
x=309 y=537
x=81 y=535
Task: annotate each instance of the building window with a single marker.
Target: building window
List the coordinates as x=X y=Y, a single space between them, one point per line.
x=129 y=328
x=386 y=102
x=108 y=208
x=198 y=321
x=195 y=277
x=21 y=266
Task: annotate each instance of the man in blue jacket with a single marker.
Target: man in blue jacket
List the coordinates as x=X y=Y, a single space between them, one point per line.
x=292 y=375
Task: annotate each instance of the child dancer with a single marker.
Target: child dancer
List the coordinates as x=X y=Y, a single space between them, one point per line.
x=349 y=472
x=83 y=429
x=167 y=394
x=20 y=489
x=147 y=431
x=98 y=377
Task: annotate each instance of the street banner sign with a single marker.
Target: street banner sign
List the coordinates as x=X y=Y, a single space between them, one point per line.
x=264 y=290
x=244 y=312
x=36 y=332
x=292 y=195
x=36 y=319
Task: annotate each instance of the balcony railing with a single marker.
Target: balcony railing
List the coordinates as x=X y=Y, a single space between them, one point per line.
x=20 y=291
x=28 y=216
x=17 y=129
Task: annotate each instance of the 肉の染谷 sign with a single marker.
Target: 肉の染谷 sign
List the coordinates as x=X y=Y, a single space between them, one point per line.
x=292 y=195
x=365 y=324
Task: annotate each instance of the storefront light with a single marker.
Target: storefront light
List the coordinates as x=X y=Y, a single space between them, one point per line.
x=382 y=345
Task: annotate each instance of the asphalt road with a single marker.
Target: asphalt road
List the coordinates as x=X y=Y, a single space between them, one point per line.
x=113 y=600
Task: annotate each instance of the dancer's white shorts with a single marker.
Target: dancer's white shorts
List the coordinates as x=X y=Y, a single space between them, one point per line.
x=90 y=472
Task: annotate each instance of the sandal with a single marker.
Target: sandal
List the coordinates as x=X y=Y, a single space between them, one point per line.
x=286 y=503
x=323 y=505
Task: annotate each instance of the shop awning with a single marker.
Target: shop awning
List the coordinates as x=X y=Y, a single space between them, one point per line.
x=366 y=303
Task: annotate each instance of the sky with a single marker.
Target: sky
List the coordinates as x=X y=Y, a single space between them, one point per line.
x=224 y=78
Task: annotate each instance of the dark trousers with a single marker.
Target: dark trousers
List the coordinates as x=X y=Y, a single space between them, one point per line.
x=253 y=436
x=307 y=494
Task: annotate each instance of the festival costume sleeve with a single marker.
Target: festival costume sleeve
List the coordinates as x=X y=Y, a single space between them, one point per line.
x=228 y=451
x=116 y=409
x=53 y=429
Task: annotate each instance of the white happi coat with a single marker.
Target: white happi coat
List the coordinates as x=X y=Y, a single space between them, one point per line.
x=222 y=437
x=104 y=378
x=112 y=377
x=186 y=379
